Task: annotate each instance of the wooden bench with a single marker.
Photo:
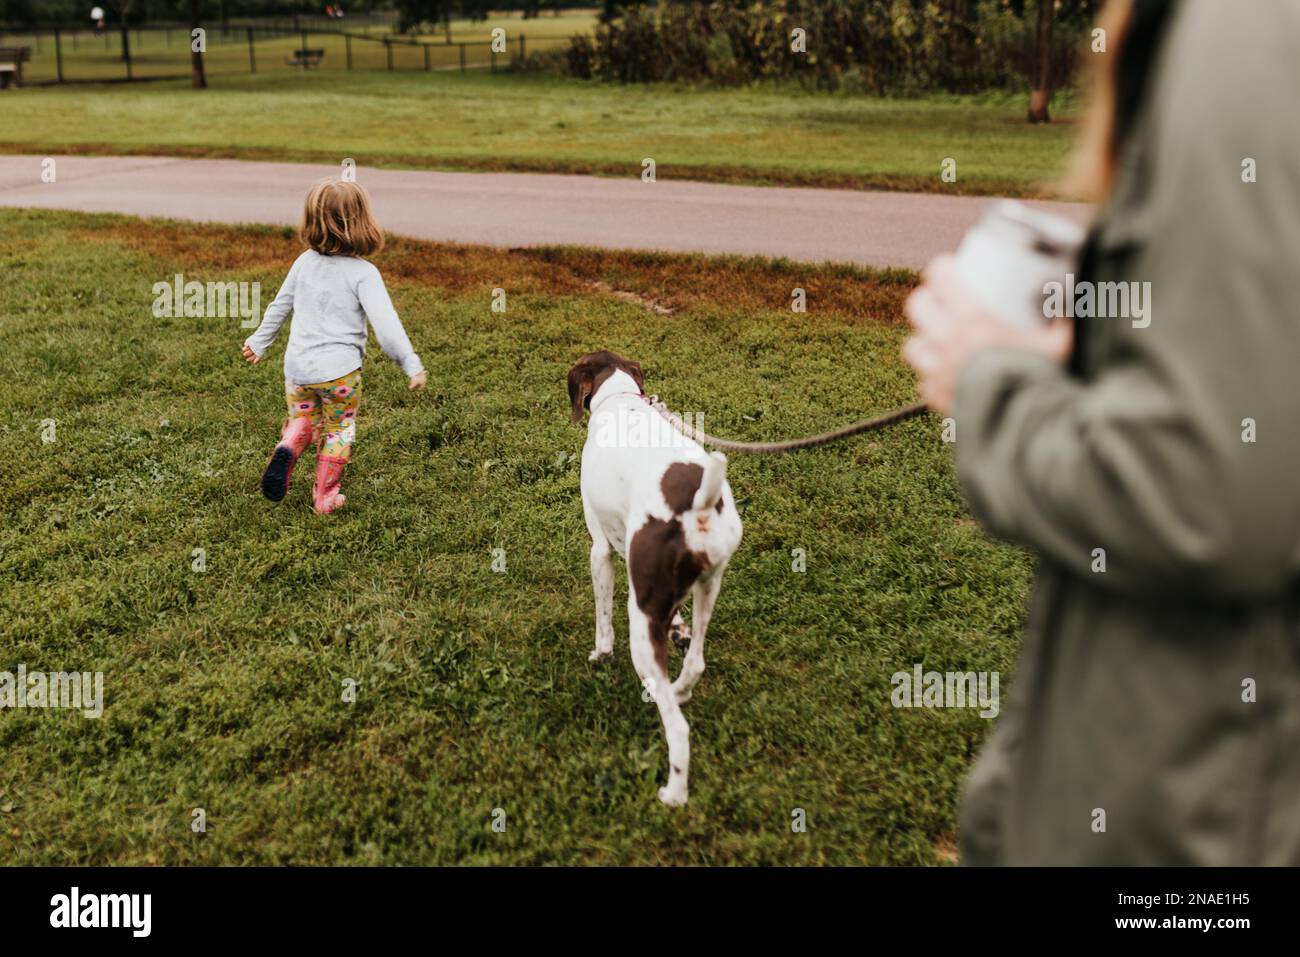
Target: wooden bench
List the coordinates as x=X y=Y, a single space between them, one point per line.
x=306 y=58
x=11 y=65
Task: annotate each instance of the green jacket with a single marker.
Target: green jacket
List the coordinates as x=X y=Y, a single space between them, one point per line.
x=1163 y=691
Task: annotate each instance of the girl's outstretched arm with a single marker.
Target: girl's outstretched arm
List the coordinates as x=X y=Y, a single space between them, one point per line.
x=273 y=318
x=388 y=328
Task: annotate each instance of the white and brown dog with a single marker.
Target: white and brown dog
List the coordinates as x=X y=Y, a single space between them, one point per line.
x=663 y=503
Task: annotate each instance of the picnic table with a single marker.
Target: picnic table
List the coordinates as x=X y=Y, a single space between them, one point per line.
x=11 y=65
x=306 y=58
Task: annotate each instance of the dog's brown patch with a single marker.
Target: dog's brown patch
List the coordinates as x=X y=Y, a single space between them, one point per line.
x=662 y=569
x=590 y=372
x=680 y=483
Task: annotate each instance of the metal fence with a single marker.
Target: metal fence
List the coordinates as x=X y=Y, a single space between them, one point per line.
x=60 y=55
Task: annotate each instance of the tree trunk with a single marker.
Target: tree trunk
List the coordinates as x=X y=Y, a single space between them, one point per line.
x=1042 y=93
x=198 y=79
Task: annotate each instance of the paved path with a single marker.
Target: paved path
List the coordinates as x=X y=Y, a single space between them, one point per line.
x=524 y=209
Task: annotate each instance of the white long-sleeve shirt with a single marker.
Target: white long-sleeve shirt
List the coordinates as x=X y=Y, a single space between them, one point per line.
x=331 y=298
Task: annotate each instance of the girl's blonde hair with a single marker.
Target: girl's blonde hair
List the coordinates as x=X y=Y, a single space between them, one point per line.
x=337 y=220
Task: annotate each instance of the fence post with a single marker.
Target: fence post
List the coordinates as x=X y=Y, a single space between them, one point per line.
x=388 y=46
x=523 y=49
x=462 y=56
x=252 y=57
x=304 y=40
x=58 y=52
x=347 y=37
x=426 y=58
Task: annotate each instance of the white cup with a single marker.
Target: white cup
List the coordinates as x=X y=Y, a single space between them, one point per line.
x=1008 y=257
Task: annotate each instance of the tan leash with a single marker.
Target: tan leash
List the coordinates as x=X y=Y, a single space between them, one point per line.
x=790 y=445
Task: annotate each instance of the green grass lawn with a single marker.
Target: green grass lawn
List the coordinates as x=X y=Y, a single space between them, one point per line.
x=483 y=121
x=224 y=687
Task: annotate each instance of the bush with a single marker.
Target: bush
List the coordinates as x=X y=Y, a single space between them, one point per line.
x=580 y=56
x=552 y=60
x=869 y=46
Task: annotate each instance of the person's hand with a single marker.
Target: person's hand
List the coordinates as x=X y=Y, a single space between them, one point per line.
x=251 y=356
x=418 y=380
x=949 y=327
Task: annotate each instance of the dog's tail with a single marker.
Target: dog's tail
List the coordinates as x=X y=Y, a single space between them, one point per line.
x=715 y=472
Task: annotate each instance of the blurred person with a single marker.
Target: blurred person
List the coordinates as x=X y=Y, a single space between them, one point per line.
x=1155 y=713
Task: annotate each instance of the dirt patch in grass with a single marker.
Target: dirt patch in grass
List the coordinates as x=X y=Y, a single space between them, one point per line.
x=662 y=283
x=643 y=301
x=946 y=848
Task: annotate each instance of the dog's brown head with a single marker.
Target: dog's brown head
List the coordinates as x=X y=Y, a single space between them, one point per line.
x=591 y=371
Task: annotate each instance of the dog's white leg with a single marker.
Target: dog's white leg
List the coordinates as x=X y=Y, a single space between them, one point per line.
x=602 y=583
x=650 y=658
x=705 y=594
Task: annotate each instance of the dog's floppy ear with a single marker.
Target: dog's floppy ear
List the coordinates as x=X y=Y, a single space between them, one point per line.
x=581 y=382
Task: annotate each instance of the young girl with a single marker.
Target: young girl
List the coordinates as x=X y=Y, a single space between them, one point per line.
x=331 y=291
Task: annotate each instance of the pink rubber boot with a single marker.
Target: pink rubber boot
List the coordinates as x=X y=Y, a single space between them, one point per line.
x=296 y=436
x=329 y=472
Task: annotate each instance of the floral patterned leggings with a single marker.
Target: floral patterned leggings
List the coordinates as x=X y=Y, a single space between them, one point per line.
x=332 y=408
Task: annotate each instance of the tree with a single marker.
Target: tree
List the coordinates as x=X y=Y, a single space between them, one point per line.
x=1041 y=94
x=411 y=13
x=123 y=7
x=611 y=10
x=18 y=12
x=198 y=79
